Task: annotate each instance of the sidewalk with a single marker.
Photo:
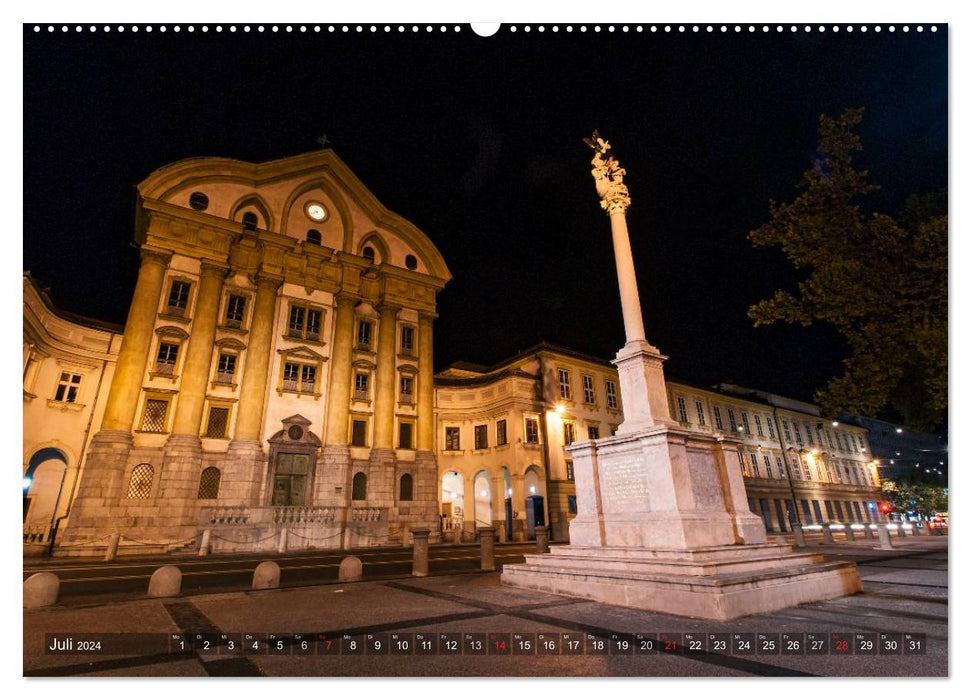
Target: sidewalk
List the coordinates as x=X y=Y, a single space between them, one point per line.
x=905 y=591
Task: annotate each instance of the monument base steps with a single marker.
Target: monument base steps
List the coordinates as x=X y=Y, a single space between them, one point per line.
x=712 y=583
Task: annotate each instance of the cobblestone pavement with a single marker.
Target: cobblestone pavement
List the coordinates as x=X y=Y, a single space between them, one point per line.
x=905 y=593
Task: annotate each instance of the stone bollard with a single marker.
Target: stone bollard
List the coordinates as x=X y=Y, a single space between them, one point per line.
x=827 y=534
x=487 y=548
x=282 y=547
x=799 y=535
x=884 y=534
x=40 y=590
x=266 y=575
x=869 y=531
x=542 y=540
x=850 y=535
x=204 y=547
x=351 y=569
x=112 y=547
x=419 y=556
x=165 y=582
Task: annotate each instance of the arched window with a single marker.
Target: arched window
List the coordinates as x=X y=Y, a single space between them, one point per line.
x=250 y=221
x=209 y=483
x=359 y=487
x=411 y=262
x=199 y=201
x=140 y=484
x=313 y=236
x=406 y=488
x=368 y=253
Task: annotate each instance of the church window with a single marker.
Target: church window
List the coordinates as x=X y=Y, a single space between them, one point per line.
x=359 y=487
x=732 y=421
x=407 y=387
x=178 y=298
x=199 y=201
x=758 y=425
x=745 y=423
x=235 y=309
x=313 y=237
x=299 y=377
x=209 y=483
x=411 y=262
x=361 y=380
x=768 y=465
x=406 y=432
x=700 y=410
x=408 y=341
x=368 y=253
x=755 y=463
x=304 y=322
x=771 y=426
x=406 y=488
x=593 y=432
x=250 y=221
x=796 y=431
x=165 y=360
x=569 y=470
x=359 y=433
x=218 y=422
x=68 y=387
x=226 y=368
x=785 y=429
x=364 y=335
x=563 y=376
x=569 y=433
x=718 y=417
x=153 y=420
x=140 y=482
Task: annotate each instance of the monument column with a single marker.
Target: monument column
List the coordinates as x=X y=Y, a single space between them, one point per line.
x=198 y=355
x=133 y=356
x=252 y=395
x=426 y=383
x=386 y=373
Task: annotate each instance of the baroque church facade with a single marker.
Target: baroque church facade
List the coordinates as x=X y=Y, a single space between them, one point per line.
x=274 y=386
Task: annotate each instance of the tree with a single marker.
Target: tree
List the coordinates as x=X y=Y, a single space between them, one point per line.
x=906 y=496
x=881 y=281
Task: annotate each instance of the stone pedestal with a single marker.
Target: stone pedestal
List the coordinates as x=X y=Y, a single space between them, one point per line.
x=664 y=525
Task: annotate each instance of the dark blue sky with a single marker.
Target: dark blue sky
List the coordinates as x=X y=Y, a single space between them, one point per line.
x=478 y=142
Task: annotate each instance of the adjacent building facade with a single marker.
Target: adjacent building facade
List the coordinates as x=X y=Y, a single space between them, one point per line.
x=274 y=386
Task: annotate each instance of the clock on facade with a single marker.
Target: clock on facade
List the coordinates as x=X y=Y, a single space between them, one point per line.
x=316 y=211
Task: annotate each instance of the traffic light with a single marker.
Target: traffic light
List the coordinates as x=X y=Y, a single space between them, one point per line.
x=885 y=507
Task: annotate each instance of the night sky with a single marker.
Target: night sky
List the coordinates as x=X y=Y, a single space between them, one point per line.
x=477 y=141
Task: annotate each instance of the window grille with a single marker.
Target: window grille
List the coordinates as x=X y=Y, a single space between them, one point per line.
x=209 y=483
x=218 y=422
x=154 y=419
x=140 y=483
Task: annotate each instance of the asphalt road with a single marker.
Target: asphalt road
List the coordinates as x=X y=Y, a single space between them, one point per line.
x=93 y=581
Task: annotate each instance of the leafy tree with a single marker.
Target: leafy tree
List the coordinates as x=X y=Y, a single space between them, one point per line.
x=925 y=499
x=881 y=281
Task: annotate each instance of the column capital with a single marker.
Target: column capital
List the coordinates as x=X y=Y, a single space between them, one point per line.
x=156 y=257
x=346 y=299
x=386 y=308
x=213 y=269
x=268 y=281
x=617 y=204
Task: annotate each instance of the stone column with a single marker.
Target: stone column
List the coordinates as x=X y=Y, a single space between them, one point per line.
x=386 y=374
x=630 y=301
x=518 y=485
x=499 y=505
x=426 y=383
x=133 y=356
x=252 y=395
x=198 y=355
x=339 y=393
